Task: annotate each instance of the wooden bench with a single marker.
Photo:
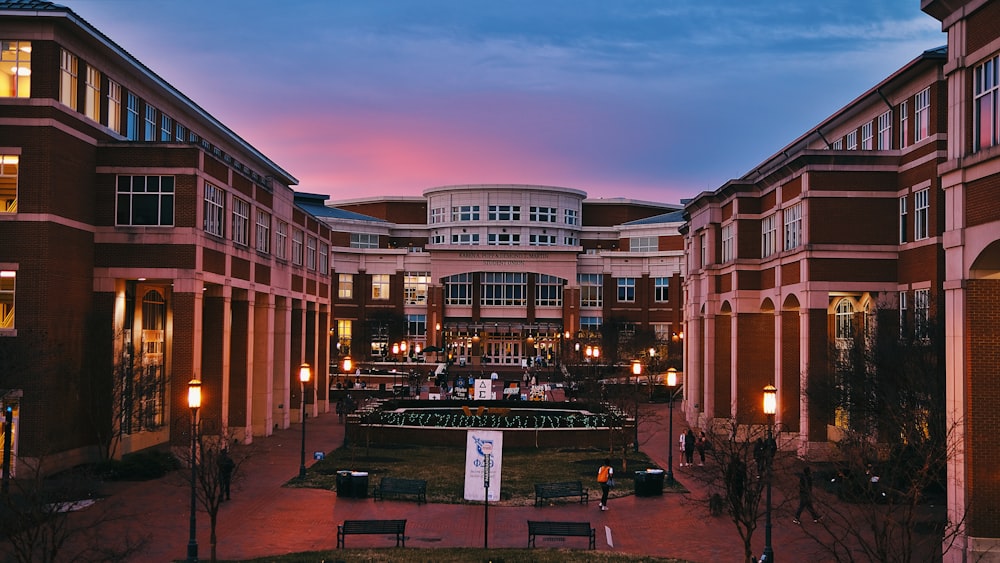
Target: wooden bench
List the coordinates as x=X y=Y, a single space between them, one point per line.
x=397 y=486
x=582 y=529
x=544 y=491
x=387 y=527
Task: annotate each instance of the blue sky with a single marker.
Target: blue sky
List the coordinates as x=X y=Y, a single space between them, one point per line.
x=651 y=100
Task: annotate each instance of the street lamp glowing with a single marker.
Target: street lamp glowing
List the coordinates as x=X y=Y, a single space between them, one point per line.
x=672 y=377
x=304 y=373
x=416 y=349
x=194 y=394
x=347 y=364
x=770 y=400
x=402 y=346
x=636 y=368
x=395 y=349
x=597 y=352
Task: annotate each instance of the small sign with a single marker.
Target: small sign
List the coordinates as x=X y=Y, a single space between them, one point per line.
x=319 y=455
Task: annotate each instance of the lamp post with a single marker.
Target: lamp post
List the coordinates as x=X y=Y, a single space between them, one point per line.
x=395 y=357
x=304 y=373
x=194 y=402
x=636 y=372
x=671 y=383
x=770 y=408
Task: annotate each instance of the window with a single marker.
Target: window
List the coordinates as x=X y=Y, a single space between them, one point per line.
x=8 y=183
x=504 y=213
x=852 y=141
x=838 y=145
x=885 y=131
x=416 y=325
x=324 y=258
x=626 y=290
x=793 y=226
x=458 y=289
x=548 y=291
x=437 y=215
x=150 y=123
x=68 y=77
x=590 y=326
x=902 y=220
x=661 y=290
x=904 y=125
x=311 y=253
x=345 y=286
x=7 y=286
x=263 y=231
x=768 y=235
x=986 y=104
x=922 y=114
x=17 y=54
x=543 y=214
x=92 y=94
x=437 y=239
x=114 y=106
x=241 y=222
x=281 y=241
x=643 y=244
x=297 y=244
x=728 y=242
x=166 y=128
x=132 y=117
x=364 y=240
x=571 y=217
x=380 y=286
x=145 y=201
x=415 y=287
x=504 y=289
x=215 y=211
x=465 y=213
x=465 y=238
x=844 y=320
x=571 y=241
x=542 y=240
x=866 y=136
x=345 y=329
x=921 y=313
x=180 y=133
x=902 y=313
x=591 y=290
x=703 y=244
x=503 y=239
x=921 y=208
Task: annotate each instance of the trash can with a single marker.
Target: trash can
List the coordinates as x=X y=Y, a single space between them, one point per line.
x=649 y=483
x=359 y=484
x=344 y=484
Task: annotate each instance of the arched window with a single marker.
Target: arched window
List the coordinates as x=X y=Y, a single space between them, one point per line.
x=845 y=319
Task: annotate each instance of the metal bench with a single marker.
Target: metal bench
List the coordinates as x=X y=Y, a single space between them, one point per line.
x=581 y=529
x=546 y=491
x=386 y=527
x=398 y=486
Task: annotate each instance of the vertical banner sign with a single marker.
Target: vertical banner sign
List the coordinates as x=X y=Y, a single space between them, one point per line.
x=479 y=444
x=484 y=390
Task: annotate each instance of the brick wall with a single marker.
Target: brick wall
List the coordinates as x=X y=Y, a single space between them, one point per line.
x=983 y=418
x=723 y=369
x=755 y=353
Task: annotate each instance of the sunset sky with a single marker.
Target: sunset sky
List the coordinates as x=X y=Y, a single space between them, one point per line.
x=650 y=100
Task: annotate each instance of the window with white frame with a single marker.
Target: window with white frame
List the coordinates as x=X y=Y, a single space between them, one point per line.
x=416 y=326
x=542 y=214
x=131 y=117
x=16 y=82
x=9 y=164
x=571 y=217
x=465 y=213
x=643 y=244
x=852 y=141
x=180 y=132
x=166 y=128
x=548 y=291
x=324 y=258
x=380 y=287
x=769 y=235
x=68 y=78
x=150 y=123
x=437 y=239
x=541 y=240
x=345 y=286
x=728 y=242
x=468 y=239
x=281 y=241
x=505 y=289
x=591 y=290
x=345 y=332
x=8 y=279
x=793 y=226
x=241 y=222
x=458 y=289
x=922 y=114
x=145 y=201
x=503 y=239
x=114 y=106
x=663 y=331
x=298 y=242
x=844 y=320
x=364 y=240
x=986 y=104
x=921 y=313
x=590 y=326
x=921 y=214
x=838 y=145
x=504 y=213
x=885 y=131
x=311 y=248
x=571 y=241
x=661 y=289
x=415 y=287
x=703 y=244
x=437 y=215
x=866 y=136
x=92 y=94
x=904 y=125
x=626 y=290
x=263 y=232
x=902 y=314
x=902 y=220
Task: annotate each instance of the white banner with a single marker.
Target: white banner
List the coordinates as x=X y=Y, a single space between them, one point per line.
x=478 y=443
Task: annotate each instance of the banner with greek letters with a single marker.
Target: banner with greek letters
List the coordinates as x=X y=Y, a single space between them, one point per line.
x=478 y=444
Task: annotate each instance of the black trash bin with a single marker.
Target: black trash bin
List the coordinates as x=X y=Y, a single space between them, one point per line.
x=359 y=484
x=344 y=484
x=649 y=483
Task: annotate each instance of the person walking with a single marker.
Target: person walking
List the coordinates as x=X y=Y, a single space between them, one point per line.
x=689 y=446
x=806 y=496
x=701 y=445
x=605 y=477
x=226 y=467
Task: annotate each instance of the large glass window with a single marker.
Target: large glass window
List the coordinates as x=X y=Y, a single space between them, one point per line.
x=281 y=240
x=548 y=291
x=844 y=320
x=852 y=141
x=922 y=114
x=114 y=106
x=215 y=210
x=465 y=213
x=7 y=287
x=921 y=214
x=885 y=131
x=626 y=290
x=866 y=136
x=380 y=286
x=661 y=290
x=415 y=287
x=986 y=104
x=504 y=213
x=503 y=239
x=298 y=242
x=543 y=214
x=131 y=117
x=145 y=201
x=166 y=128
x=241 y=222
x=150 y=123
x=643 y=244
x=591 y=290
x=345 y=286
x=728 y=242
x=921 y=313
x=92 y=95
x=416 y=326
x=437 y=215
x=15 y=57
x=590 y=326
x=793 y=226
x=541 y=240
x=902 y=314
x=768 y=235
x=904 y=125
x=324 y=258
x=345 y=330
x=465 y=238
x=364 y=240
x=8 y=183
x=458 y=289
x=571 y=217
x=507 y=289
x=263 y=231
x=68 y=78
x=311 y=253
x=902 y=220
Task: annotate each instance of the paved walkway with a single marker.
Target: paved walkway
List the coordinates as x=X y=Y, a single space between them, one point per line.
x=263 y=518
